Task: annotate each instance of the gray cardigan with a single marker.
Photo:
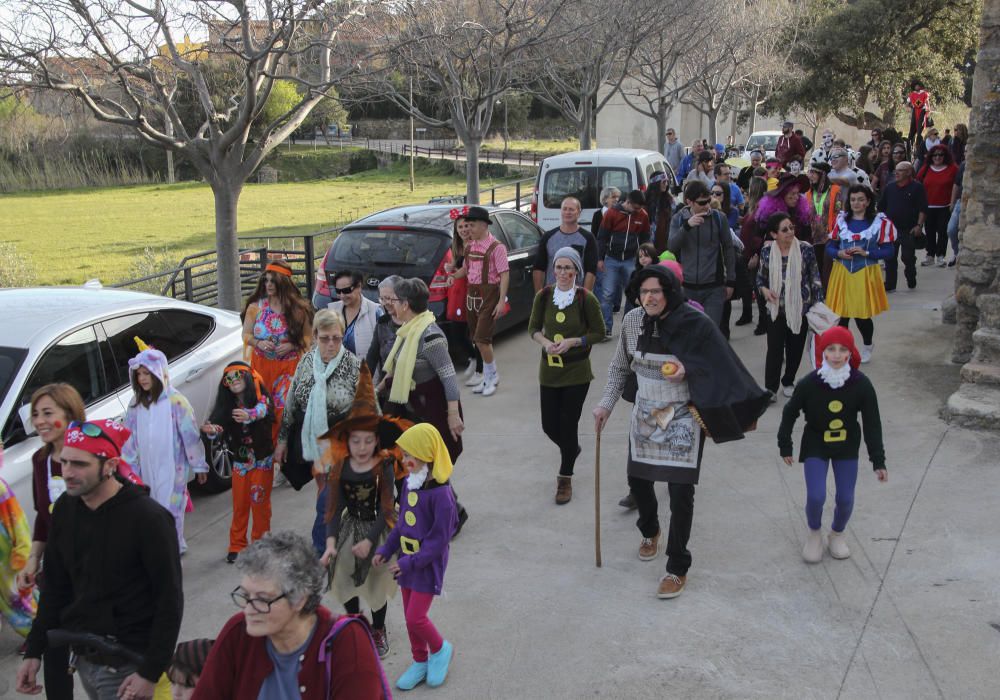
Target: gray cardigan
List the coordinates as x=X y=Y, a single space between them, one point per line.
x=364 y=325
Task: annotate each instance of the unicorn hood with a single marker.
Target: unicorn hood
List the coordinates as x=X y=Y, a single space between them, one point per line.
x=154 y=361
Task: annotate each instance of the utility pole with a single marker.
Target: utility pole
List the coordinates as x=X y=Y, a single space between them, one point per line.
x=411 y=134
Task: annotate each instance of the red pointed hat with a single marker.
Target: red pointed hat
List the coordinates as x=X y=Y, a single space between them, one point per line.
x=840 y=336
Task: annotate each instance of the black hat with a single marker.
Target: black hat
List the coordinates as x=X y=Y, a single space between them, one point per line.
x=821 y=166
x=473 y=214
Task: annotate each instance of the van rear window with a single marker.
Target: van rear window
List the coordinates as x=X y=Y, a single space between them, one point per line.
x=583 y=182
x=400 y=248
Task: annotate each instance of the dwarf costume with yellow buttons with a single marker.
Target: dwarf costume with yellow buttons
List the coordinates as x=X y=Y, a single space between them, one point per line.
x=832 y=400
x=360 y=505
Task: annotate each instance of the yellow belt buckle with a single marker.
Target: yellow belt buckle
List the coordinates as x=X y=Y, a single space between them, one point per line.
x=555 y=360
x=409 y=545
x=835 y=435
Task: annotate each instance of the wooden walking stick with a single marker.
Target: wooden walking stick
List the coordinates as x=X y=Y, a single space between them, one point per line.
x=597 y=502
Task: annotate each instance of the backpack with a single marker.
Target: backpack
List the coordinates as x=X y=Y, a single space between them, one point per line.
x=326 y=657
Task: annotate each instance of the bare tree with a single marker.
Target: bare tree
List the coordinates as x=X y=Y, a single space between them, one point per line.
x=463 y=55
x=655 y=83
x=714 y=68
x=569 y=74
x=124 y=60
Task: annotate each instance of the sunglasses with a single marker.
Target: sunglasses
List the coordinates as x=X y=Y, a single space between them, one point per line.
x=232 y=378
x=341 y=291
x=717 y=194
x=702 y=202
x=324 y=339
x=92 y=430
x=938 y=155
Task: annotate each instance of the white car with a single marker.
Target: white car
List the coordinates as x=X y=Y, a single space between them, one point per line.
x=766 y=141
x=85 y=337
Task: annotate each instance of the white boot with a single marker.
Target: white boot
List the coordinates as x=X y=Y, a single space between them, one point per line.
x=812 y=552
x=837 y=544
x=866 y=353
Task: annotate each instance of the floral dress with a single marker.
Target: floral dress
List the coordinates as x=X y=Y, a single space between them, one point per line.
x=276 y=372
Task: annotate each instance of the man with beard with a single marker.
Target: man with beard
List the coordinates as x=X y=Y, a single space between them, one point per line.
x=112 y=568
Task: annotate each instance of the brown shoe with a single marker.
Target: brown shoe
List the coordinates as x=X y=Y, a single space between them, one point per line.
x=671 y=586
x=564 y=489
x=649 y=547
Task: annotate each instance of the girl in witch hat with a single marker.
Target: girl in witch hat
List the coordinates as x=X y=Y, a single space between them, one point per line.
x=244 y=416
x=360 y=510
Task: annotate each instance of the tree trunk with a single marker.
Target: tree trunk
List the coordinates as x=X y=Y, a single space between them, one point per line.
x=586 y=124
x=661 y=126
x=977 y=284
x=472 y=146
x=754 y=101
x=227 y=197
x=713 y=126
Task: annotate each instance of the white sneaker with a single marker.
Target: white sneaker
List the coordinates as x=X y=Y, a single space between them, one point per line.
x=470 y=370
x=812 y=552
x=475 y=380
x=866 y=352
x=788 y=391
x=928 y=261
x=941 y=262
x=837 y=544
x=489 y=386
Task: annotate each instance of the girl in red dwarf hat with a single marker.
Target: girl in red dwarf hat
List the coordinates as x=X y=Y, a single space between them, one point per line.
x=244 y=417
x=831 y=398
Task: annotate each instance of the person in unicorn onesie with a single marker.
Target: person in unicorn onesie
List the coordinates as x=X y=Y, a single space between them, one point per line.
x=165 y=446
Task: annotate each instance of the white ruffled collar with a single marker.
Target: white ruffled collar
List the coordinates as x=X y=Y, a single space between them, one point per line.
x=563 y=299
x=834 y=378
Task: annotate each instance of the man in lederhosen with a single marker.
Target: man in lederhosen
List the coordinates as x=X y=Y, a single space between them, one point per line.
x=686 y=382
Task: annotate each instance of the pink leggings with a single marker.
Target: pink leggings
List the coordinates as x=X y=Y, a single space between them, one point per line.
x=423 y=634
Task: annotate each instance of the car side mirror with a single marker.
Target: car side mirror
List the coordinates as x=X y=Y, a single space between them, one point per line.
x=24 y=413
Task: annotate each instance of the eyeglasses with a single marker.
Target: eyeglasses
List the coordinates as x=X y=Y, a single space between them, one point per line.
x=651 y=292
x=564 y=268
x=261 y=605
x=232 y=378
x=341 y=291
x=702 y=202
x=324 y=339
x=899 y=153
x=387 y=300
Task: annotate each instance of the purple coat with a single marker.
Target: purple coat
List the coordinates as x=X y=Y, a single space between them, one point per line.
x=427 y=520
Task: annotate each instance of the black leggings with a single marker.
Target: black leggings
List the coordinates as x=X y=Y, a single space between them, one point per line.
x=353 y=607
x=561 y=410
x=681 y=517
x=866 y=327
x=936 y=230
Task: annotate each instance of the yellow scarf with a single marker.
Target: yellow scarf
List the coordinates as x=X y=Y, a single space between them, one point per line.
x=403 y=356
x=424 y=442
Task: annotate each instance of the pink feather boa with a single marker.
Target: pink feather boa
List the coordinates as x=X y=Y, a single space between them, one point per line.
x=803 y=214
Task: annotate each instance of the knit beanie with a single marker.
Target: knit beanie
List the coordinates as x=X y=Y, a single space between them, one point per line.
x=573 y=256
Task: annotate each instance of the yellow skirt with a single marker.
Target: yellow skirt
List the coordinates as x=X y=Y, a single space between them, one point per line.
x=856 y=294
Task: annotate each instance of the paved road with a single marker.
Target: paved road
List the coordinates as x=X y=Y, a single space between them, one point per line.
x=913 y=614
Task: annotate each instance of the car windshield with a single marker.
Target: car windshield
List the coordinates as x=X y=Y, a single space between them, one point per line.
x=765 y=142
x=10 y=362
x=381 y=247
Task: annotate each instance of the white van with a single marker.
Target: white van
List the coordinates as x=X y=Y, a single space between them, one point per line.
x=766 y=141
x=583 y=174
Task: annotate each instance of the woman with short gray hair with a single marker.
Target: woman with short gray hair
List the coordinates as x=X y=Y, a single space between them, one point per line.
x=272 y=647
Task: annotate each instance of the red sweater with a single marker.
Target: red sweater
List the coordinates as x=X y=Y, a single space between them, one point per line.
x=238 y=664
x=938 y=184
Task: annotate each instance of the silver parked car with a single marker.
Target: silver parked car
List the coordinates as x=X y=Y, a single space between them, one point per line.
x=85 y=337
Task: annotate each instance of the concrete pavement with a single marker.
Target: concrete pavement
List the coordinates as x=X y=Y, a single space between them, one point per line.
x=912 y=614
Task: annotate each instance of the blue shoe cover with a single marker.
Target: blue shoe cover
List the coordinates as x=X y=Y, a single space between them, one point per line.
x=413 y=676
x=437 y=665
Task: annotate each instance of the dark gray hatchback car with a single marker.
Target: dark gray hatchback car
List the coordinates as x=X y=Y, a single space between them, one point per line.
x=415 y=241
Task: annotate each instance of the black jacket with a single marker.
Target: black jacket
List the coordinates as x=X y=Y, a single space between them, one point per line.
x=113 y=571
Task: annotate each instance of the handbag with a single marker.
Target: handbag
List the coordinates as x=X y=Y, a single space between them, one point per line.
x=296 y=468
x=821 y=318
x=455 y=309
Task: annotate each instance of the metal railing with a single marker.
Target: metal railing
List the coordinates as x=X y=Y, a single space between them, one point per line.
x=456 y=153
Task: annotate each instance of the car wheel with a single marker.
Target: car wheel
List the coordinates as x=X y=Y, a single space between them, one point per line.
x=220 y=467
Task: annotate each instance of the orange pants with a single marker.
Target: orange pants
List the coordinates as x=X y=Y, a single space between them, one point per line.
x=251 y=493
x=277 y=376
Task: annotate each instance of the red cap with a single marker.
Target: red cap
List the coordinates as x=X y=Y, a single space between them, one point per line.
x=840 y=336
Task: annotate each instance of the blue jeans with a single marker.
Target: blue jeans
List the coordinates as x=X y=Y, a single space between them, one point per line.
x=845 y=475
x=616 y=276
x=953 y=226
x=319 y=527
x=102 y=682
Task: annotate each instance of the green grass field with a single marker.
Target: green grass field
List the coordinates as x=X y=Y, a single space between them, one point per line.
x=72 y=236
x=548 y=147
